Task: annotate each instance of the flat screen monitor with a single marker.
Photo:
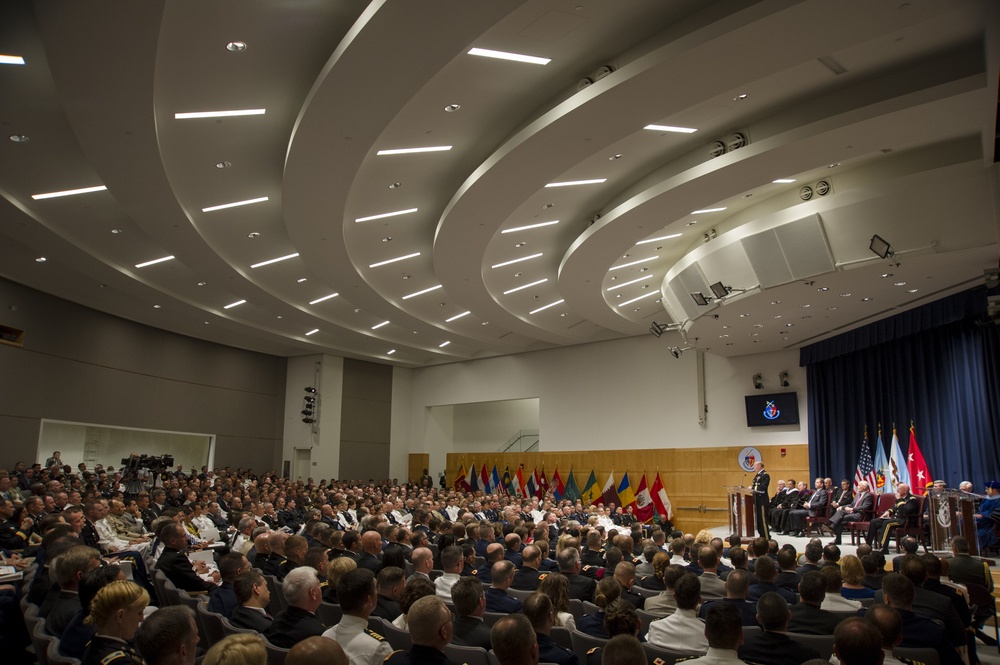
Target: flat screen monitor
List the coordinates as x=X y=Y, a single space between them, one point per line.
x=772 y=409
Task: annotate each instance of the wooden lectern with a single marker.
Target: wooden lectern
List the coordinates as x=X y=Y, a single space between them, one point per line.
x=741 y=511
x=951 y=514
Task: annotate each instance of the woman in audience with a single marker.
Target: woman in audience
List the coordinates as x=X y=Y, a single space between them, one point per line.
x=416 y=588
x=116 y=612
x=556 y=587
x=655 y=581
x=854 y=579
x=608 y=591
x=334 y=571
x=238 y=649
x=393 y=556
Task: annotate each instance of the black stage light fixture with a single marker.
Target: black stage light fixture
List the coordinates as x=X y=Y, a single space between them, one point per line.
x=758 y=381
x=881 y=246
x=310 y=389
x=657 y=329
x=720 y=290
x=700 y=298
x=783 y=379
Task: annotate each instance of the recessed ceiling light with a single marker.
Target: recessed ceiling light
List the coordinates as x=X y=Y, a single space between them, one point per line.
x=270 y=261
x=900 y=284
x=723 y=336
x=153 y=262
x=420 y=293
x=789 y=325
x=202 y=283
x=545 y=307
x=740 y=97
x=726 y=327
x=758 y=325
x=19 y=138
x=253 y=234
x=405 y=277
x=395 y=185
x=833 y=166
x=521 y=274
x=520 y=244
x=312 y=332
x=707 y=210
x=573 y=183
x=383 y=215
x=776 y=316
x=754 y=334
x=319 y=300
x=645 y=295
x=68 y=192
x=911 y=290
x=236 y=47
x=398 y=258
x=692 y=222
x=823 y=289
x=503 y=55
x=775 y=302
x=457 y=317
x=518 y=260
x=223 y=165
x=658 y=239
x=379 y=325
x=390 y=352
x=866 y=300
x=831 y=309
x=41 y=259
x=451 y=108
x=302 y=279
x=443 y=344
x=526 y=286
x=564 y=313
x=885 y=274
x=117 y=231
x=845 y=295
x=614 y=157
x=233 y=304
x=11 y=60
x=623 y=284
x=485 y=323
x=234 y=204
x=783 y=181
x=670 y=128
x=387 y=239
x=548 y=205
x=409 y=151
x=744 y=316
x=806 y=306
x=157 y=306
x=634 y=263
x=530 y=226
x=189 y=115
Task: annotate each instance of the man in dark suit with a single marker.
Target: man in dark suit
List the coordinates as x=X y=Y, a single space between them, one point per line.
x=737 y=586
x=843 y=496
x=815 y=507
x=767 y=571
x=291 y=626
x=761 y=500
x=391 y=582
x=918 y=631
x=223 y=597
x=861 y=507
x=253 y=596
x=928 y=604
x=806 y=616
x=773 y=646
x=580 y=587
x=470 y=604
x=497 y=599
x=176 y=566
x=371 y=548
x=904 y=511
x=528 y=577
x=964 y=569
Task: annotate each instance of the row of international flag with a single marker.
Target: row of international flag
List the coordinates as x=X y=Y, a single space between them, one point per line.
x=884 y=473
x=646 y=500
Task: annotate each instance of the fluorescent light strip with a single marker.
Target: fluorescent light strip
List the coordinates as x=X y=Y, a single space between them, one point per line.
x=530 y=226
x=618 y=286
x=457 y=317
x=646 y=242
x=218 y=114
x=68 y=192
x=645 y=295
x=545 y=307
x=233 y=304
x=398 y=258
x=503 y=55
x=319 y=300
x=523 y=258
x=420 y=293
x=153 y=262
x=312 y=332
x=270 y=261
x=526 y=286
x=669 y=128
x=701 y=212
x=386 y=214
x=234 y=204
x=783 y=181
x=443 y=344
x=390 y=352
x=571 y=183
x=633 y=263
x=409 y=151
x=379 y=325
x=11 y=60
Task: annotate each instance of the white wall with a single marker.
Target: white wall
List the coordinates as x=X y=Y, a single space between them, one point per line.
x=324 y=446
x=485 y=426
x=628 y=393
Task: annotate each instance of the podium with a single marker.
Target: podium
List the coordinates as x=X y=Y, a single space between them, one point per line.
x=951 y=514
x=741 y=511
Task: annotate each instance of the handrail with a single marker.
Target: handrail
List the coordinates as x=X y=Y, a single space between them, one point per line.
x=522 y=441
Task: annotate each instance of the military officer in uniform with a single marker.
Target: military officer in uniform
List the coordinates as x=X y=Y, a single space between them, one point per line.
x=906 y=509
x=357 y=594
x=12 y=536
x=761 y=501
x=528 y=576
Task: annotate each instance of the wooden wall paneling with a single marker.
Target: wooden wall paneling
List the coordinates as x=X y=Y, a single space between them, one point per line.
x=420 y=461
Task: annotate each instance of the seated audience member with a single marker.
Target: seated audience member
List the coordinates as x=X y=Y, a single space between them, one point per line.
x=682 y=630
x=853 y=573
x=736 y=595
x=78 y=632
x=918 y=631
x=415 y=589
x=334 y=571
x=663 y=604
x=176 y=566
x=237 y=649
x=890 y=627
x=115 y=612
x=556 y=587
x=807 y=617
x=316 y=650
x=451 y=564
x=738 y=557
x=873 y=574
x=766 y=571
x=222 y=599
x=298 y=621
x=833 y=601
x=540 y=612
x=654 y=580
x=295 y=552
x=580 y=587
x=813 y=554
x=619 y=650
x=787 y=578
x=470 y=604
x=514 y=641
x=252 y=597
x=391 y=582
x=712 y=586
x=724 y=633
x=358 y=597
x=857 y=642
x=69 y=568
x=430 y=625
x=423 y=563
x=529 y=576
x=625 y=574
x=608 y=591
x=929 y=604
x=773 y=646
x=169 y=636
x=497 y=599
x=831 y=556
x=963 y=569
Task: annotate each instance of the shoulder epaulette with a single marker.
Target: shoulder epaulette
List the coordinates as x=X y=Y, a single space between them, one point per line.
x=372 y=633
x=542 y=576
x=324 y=584
x=115 y=656
x=593 y=650
x=393 y=654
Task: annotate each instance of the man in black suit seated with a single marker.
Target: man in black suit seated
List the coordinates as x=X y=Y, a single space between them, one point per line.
x=391 y=582
x=253 y=596
x=857 y=642
x=855 y=511
x=539 y=611
x=814 y=507
x=169 y=636
x=773 y=646
x=787 y=578
x=176 y=566
x=918 y=631
x=580 y=587
x=514 y=641
x=69 y=568
x=528 y=577
x=737 y=587
x=470 y=603
x=806 y=615
x=497 y=599
x=927 y=603
x=292 y=625
x=222 y=599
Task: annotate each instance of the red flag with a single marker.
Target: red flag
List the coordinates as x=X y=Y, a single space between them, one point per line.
x=484 y=479
x=557 y=484
x=920 y=475
x=660 y=499
x=461 y=484
x=644 y=508
x=543 y=484
x=609 y=495
x=521 y=489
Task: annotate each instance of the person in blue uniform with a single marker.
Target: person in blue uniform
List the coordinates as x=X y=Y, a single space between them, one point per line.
x=986 y=517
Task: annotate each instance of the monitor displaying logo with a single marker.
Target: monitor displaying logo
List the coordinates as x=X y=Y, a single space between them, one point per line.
x=771 y=411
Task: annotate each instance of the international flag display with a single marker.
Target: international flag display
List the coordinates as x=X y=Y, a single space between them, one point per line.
x=532 y=484
x=897 y=463
x=461 y=484
x=591 y=492
x=484 y=479
x=495 y=486
x=916 y=466
x=507 y=483
x=644 y=508
x=558 y=489
x=571 y=492
x=660 y=499
x=881 y=466
x=520 y=485
x=625 y=494
x=609 y=495
x=473 y=478
x=866 y=467
x=542 y=483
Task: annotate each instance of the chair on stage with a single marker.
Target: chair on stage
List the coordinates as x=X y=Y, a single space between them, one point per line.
x=916 y=529
x=859 y=529
x=820 y=520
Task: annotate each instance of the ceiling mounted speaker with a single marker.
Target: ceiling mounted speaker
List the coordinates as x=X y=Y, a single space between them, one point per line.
x=806 y=193
x=584 y=82
x=823 y=187
x=716 y=149
x=736 y=141
x=602 y=72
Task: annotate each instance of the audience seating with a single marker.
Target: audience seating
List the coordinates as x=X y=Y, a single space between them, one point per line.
x=560 y=635
x=822 y=643
x=490 y=618
x=663 y=656
x=40 y=640
x=329 y=614
x=56 y=658
x=582 y=643
x=646 y=618
x=210 y=624
x=924 y=655
x=230 y=629
x=399 y=639
x=465 y=655
x=275 y=655
x=576 y=608
x=520 y=594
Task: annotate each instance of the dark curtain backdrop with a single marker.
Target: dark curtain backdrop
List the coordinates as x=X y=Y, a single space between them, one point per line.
x=938 y=365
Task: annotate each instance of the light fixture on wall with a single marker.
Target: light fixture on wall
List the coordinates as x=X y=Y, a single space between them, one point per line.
x=656 y=329
x=881 y=246
x=758 y=381
x=310 y=403
x=676 y=351
x=700 y=298
x=783 y=379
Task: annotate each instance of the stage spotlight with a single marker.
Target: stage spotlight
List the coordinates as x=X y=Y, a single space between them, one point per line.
x=657 y=329
x=783 y=379
x=676 y=351
x=310 y=389
x=758 y=381
x=700 y=298
x=720 y=290
x=881 y=246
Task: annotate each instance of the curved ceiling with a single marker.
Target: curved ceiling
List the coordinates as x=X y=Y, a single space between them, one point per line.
x=475 y=247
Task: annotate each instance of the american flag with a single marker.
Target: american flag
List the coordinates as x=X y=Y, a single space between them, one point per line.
x=866 y=468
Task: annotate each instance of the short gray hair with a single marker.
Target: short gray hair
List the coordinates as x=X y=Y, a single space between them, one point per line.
x=298 y=583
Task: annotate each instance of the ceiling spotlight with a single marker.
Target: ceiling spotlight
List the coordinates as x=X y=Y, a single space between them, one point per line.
x=395 y=185
x=223 y=165
x=758 y=381
x=236 y=47
x=451 y=108
x=700 y=298
x=676 y=351
x=881 y=246
x=19 y=138
x=656 y=329
x=310 y=389
x=720 y=290
x=783 y=379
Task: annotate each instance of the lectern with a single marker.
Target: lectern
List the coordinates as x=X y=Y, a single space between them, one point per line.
x=951 y=514
x=741 y=511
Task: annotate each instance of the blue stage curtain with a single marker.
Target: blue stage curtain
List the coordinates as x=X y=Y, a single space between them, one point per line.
x=938 y=365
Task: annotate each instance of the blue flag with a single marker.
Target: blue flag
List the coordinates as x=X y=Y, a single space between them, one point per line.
x=881 y=466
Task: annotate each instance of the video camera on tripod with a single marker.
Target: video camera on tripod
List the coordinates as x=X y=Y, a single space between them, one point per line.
x=136 y=462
